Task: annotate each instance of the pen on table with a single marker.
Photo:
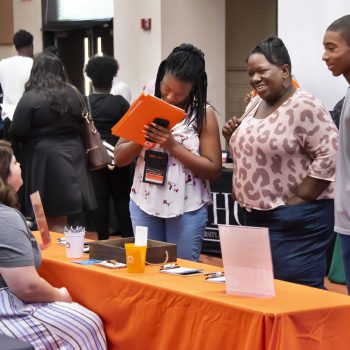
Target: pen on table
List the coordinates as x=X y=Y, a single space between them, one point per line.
x=169 y=267
x=191 y=272
x=214 y=274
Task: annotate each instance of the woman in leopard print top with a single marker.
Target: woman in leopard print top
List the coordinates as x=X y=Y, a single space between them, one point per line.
x=284 y=154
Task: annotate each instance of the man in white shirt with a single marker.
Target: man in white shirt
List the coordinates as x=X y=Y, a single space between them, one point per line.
x=120 y=88
x=15 y=71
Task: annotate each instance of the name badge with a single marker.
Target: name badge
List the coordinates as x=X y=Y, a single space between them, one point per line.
x=155 y=167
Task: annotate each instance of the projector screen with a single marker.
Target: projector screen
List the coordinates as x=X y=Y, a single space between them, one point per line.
x=68 y=10
x=301 y=25
x=71 y=13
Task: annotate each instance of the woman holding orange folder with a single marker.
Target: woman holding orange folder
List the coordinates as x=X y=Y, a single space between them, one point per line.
x=171 y=190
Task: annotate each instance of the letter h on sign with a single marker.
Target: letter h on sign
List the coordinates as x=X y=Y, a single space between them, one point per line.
x=216 y=208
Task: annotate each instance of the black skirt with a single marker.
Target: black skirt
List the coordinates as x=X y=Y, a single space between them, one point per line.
x=56 y=167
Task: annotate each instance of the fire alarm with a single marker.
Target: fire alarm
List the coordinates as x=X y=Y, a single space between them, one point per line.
x=146 y=23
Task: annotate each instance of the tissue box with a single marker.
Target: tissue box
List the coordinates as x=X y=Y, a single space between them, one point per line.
x=113 y=249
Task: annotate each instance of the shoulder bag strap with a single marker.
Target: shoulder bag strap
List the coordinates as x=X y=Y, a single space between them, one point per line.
x=250 y=108
x=85 y=109
x=88 y=105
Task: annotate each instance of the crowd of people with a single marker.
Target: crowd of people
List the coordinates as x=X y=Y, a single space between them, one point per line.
x=291 y=170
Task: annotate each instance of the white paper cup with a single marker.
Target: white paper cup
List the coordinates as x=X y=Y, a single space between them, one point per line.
x=74 y=244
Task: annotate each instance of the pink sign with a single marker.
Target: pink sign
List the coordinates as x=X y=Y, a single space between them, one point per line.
x=246 y=256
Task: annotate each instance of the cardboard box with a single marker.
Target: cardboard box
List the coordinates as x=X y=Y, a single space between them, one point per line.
x=113 y=249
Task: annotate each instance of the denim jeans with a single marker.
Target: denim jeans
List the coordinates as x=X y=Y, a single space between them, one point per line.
x=299 y=237
x=186 y=230
x=345 y=248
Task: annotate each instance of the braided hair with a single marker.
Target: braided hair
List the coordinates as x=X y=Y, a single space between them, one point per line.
x=186 y=63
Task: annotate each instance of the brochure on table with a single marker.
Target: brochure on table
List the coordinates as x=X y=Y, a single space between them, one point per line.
x=41 y=220
x=246 y=255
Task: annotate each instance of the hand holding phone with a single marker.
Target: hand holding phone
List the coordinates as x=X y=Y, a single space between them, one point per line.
x=162 y=122
x=159 y=121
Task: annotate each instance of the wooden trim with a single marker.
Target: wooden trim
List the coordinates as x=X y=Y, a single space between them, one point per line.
x=6 y=22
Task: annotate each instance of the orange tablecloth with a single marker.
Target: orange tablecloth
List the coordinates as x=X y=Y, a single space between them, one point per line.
x=158 y=311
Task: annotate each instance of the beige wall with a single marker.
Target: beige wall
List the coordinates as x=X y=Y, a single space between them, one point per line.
x=201 y=22
x=137 y=51
x=247 y=22
x=305 y=45
x=26 y=15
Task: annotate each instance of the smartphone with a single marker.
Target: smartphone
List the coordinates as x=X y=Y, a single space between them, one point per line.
x=162 y=122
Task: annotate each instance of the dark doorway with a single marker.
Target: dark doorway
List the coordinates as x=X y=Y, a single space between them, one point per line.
x=70 y=46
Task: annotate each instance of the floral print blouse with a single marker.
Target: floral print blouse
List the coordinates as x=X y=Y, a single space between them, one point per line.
x=183 y=191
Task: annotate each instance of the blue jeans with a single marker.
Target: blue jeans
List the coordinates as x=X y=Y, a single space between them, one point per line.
x=299 y=238
x=345 y=248
x=186 y=230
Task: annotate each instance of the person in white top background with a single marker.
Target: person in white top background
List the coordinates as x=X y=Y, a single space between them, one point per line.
x=15 y=70
x=120 y=88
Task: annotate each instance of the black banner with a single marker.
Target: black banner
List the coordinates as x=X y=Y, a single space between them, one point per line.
x=223 y=210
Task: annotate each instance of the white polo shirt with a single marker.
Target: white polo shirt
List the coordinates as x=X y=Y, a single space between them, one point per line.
x=14 y=73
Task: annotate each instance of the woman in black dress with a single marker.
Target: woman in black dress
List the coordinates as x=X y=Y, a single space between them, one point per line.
x=106 y=111
x=48 y=124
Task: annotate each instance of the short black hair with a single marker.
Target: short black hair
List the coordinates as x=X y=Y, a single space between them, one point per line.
x=101 y=70
x=22 y=39
x=274 y=51
x=52 y=49
x=342 y=26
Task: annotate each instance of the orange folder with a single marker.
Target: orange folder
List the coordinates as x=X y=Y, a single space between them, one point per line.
x=143 y=111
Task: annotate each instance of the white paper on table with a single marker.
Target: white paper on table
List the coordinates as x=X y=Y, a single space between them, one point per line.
x=220 y=279
x=246 y=255
x=183 y=271
x=141 y=236
x=7 y=111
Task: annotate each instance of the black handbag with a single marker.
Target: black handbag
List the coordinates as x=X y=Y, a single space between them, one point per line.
x=96 y=153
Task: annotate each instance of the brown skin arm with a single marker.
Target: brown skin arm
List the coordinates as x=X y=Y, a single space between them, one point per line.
x=229 y=127
x=28 y=286
x=125 y=152
x=308 y=190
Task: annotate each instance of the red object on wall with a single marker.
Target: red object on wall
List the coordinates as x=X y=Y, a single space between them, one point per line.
x=146 y=23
